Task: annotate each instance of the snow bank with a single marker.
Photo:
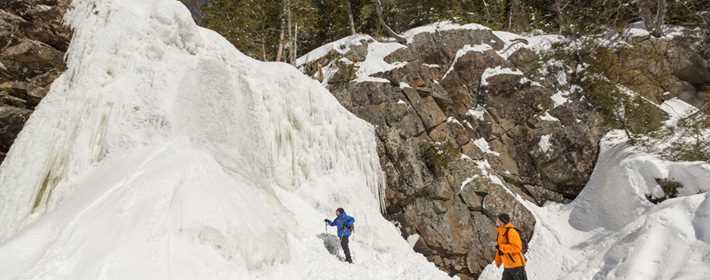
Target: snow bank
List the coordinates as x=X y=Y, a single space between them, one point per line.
x=676 y=109
x=638 y=30
x=375 y=61
x=498 y=70
x=463 y=51
x=616 y=193
x=538 y=43
x=441 y=26
x=164 y=153
x=702 y=220
x=612 y=232
x=341 y=46
x=483 y=146
x=634 y=32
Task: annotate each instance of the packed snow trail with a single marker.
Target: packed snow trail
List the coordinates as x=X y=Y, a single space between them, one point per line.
x=164 y=153
x=611 y=231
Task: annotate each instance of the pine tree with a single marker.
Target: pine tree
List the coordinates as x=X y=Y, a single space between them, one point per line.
x=254 y=26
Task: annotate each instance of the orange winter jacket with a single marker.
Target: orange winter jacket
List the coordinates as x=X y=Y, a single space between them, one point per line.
x=510 y=249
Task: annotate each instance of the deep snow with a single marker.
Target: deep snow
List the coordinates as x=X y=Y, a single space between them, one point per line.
x=610 y=231
x=164 y=153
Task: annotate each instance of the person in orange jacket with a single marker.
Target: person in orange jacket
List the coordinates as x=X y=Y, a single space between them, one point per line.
x=510 y=249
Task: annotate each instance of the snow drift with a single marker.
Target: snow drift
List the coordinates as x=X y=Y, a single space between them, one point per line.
x=611 y=231
x=164 y=153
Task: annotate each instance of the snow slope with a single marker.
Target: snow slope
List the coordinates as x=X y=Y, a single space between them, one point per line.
x=611 y=231
x=164 y=153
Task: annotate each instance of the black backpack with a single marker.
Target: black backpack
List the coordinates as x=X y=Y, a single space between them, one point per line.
x=523 y=240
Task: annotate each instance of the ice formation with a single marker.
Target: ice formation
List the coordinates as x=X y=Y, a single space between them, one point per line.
x=164 y=153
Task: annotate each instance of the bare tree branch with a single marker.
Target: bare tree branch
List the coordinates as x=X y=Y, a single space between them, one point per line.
x=381 y=18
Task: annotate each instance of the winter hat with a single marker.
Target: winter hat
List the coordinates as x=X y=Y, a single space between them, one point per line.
x=504 y=218
x=340 y=210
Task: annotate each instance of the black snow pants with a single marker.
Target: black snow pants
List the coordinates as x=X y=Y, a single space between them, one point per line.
x=515 y=274
x=346 y=249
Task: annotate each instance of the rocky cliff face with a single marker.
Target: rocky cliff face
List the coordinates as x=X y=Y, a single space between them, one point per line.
x=32 y=45
x=472 y=122
x=464 y=134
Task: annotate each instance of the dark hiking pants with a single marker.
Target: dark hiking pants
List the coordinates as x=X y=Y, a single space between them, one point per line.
x=346 y=249
x=515 y=274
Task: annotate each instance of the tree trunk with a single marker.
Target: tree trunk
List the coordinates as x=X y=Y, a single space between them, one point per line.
x=560 y=8
x=509 y=8
x=517 y=18
x=660 y=18
x=487 y=10
x=351 y=19
x=294 y=45
x=381 y=18
x=263 y=49
x=280 y=51
x=287 y=58
x=653 y=20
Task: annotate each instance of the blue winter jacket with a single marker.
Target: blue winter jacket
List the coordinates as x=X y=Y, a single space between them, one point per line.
x=344 y=223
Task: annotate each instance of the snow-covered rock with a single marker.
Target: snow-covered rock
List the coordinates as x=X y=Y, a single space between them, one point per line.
x=374 y=61
x=676 y=109
x=341 y=46
x=442 y=26
x=495 y=71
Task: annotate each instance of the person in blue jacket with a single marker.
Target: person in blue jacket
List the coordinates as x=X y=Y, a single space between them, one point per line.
x=344 y=223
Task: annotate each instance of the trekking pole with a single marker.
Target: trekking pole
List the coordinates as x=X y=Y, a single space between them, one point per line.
x=326 y=227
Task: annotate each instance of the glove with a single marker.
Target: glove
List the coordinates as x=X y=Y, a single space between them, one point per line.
x=497 y=248
x=327 y=221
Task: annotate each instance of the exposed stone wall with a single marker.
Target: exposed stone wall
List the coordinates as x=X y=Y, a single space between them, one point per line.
x=32 y=45
x=458 y=146
x=434 y=118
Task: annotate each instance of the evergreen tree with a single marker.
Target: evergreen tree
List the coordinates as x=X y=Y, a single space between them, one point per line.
x=254 y=26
